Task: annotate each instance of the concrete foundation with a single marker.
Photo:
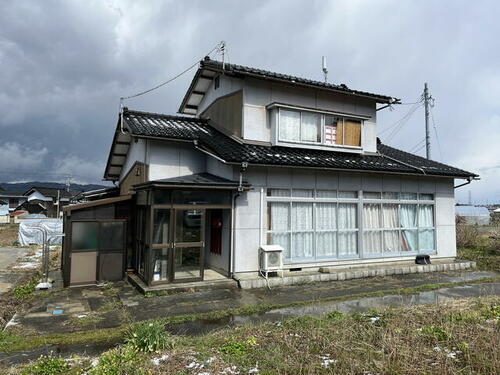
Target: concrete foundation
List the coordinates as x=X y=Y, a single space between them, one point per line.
x=250 y=280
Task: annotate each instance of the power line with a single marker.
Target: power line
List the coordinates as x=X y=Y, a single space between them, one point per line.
x=418 y=144
x=410 y=111
x=403 y=121
x=219 y=47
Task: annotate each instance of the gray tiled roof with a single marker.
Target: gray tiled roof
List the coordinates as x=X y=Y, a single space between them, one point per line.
x=260 y=73
x=387 y=159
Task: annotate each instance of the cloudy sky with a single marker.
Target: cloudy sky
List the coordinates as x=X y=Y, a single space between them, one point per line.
x=64 y=65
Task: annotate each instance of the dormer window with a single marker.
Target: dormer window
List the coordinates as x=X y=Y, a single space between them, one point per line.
x=298 y=126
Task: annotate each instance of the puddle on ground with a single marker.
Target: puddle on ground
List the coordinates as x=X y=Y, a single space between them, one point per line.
x=202 y=326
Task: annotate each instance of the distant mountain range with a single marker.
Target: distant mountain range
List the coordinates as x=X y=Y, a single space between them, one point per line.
x=24 y=186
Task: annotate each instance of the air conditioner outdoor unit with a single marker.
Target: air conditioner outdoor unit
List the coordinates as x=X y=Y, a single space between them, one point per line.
x=271 y=259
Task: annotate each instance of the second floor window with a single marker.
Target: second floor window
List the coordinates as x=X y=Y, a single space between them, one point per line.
x=312 y=127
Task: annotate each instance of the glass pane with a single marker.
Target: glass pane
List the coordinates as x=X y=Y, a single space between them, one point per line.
x=187 y=262
x=162 y=196
x=160 y=264
x=426 y=197
x=408 y=216
x=409 y=196
x=326 y=193
x=278 y=192
x=326 y=216
x=390 y=216
x=348 y=243
x=426 y=239
x=330 y=130
x=142 y=197
x=281 y=239
x=390 y=195
x=391 y=240
x=426 y=216
x=326 y=244
x=409 y=240
x=289 y=125
x=161 y=225
x=302 y=214
x=371 y=195
x=111 y=235
x=371 y=216
x=302 y=244
x=310 y=127
x=303 y=193
x=347 y=217
x=188 y=225
x=84 y=235
x=141 y=257
x=348 y=194
x=372 y=242
x=278 y=216
x=201 y=197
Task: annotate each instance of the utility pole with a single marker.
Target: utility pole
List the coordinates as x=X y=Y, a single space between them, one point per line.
x=427 y=98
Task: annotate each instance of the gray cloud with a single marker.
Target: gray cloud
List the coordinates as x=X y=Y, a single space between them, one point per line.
x=65 y=64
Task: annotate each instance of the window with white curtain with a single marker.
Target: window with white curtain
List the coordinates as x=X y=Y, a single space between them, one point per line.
x=311 y=224
x=318 y=128
x=348 y=229
x=372 y=223
x=326 y=229
x=392 y=227
x=323 y=224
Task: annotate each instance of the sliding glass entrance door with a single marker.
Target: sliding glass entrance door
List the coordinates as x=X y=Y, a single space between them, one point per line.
x=188 y=244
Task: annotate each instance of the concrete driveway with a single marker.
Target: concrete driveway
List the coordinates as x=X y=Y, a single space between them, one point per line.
x=8 y=258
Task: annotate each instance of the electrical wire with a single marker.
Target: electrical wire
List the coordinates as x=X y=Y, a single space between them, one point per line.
x=217 y=47
x=410 y=111
x=417 y=145
x=396 y=128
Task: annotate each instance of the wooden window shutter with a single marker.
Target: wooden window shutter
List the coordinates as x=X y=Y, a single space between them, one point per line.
x=340 y=132
x=352 y=136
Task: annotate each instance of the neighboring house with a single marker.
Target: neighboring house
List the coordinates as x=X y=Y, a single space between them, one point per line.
x=44 y=200
x=261 y=158
x=11 y=200
x=473 y=214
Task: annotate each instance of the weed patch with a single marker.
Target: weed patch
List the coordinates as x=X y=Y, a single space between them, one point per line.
x=47 y=365
x=149 y=337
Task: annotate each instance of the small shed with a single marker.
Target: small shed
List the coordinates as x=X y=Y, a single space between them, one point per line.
x=473 y=214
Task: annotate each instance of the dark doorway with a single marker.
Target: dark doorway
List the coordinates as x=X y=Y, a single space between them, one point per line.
x=216 y=224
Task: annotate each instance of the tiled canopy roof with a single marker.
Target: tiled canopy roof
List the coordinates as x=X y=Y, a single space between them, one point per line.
x=209 y=139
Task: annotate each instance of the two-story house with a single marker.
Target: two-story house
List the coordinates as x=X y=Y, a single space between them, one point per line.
x=258 y=158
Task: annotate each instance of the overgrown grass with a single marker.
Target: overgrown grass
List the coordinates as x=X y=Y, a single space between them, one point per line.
x=20 y=342
x=449 y=338
x=486 y=258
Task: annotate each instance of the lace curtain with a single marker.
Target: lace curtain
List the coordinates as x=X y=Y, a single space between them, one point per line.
x=289 y=128
x=326 y=229
x=426 y=220
x=348 y=240
x=302 y=230
x=408 y=219
x=310 y=129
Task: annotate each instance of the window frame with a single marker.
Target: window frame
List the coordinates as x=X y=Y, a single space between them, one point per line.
x=322 y=125
x=360 y=229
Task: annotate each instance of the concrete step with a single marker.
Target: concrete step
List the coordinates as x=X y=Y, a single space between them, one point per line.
x=335 y=273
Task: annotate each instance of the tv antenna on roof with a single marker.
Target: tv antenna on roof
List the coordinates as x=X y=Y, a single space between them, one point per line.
x=324 y=68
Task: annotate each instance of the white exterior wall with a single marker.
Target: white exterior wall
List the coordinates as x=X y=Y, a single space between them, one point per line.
x=136 y=152
x=173 y=159
x=250 y=215
x=258 y=94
